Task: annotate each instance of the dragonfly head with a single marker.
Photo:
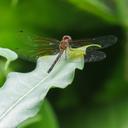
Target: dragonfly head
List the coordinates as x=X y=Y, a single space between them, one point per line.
x=66 y=38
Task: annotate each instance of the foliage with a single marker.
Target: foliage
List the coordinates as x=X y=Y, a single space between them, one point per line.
x=99 y=93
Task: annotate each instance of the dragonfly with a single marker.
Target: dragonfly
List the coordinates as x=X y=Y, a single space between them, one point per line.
x=46 y=46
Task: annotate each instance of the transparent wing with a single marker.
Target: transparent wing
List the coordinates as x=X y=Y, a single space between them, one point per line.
x=103 y=41
x=36 y=46
x=94 y=56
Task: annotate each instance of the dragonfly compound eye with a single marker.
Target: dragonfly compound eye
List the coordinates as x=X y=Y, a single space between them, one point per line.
x=66 y=37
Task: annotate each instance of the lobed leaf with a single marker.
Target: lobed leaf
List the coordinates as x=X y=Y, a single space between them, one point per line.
x=22 y=93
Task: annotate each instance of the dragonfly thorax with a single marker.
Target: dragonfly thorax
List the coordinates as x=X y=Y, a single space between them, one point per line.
x=65 y=42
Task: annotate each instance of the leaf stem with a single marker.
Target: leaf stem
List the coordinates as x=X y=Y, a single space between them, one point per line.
x=7 y=65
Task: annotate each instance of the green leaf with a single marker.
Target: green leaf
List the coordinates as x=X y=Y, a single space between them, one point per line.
x=96 y=7
x=126 y=56
x=122 y=10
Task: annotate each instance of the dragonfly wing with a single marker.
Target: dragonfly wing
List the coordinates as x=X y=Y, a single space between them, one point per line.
x=94 y=56
x=103 y=41
x=36 y=46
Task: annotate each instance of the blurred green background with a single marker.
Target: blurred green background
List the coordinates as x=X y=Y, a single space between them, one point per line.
x=98 y=96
